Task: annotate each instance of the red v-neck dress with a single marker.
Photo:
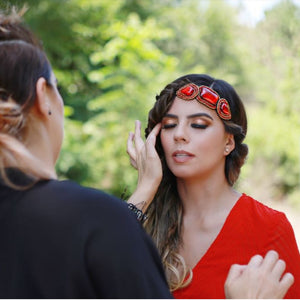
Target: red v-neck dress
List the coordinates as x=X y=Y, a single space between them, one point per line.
x=250 y=228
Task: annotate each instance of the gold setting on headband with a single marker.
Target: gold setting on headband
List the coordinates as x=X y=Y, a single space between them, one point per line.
x=206 y=96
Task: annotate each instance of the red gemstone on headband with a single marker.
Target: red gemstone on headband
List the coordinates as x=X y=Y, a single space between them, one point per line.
x=188 y=92
x=223 y=109
x=209 y=95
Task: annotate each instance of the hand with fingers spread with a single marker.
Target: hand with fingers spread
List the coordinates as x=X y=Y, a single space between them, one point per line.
x=144 y=158
x=262 y=278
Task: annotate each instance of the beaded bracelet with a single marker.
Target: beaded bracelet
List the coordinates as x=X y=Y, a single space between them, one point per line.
x=138 y=212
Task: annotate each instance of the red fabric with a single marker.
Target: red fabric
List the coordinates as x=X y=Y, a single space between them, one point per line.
x=250 y=228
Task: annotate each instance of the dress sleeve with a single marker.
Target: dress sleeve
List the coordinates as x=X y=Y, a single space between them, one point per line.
x=122 y=260
x=283 y=241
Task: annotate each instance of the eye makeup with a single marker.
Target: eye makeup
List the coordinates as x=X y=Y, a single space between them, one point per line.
x=199 y=120
x=168 y=123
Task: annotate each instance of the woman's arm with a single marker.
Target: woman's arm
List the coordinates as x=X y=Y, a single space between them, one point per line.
x=260 y=279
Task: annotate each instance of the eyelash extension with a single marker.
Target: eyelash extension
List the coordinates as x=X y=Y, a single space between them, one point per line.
x=167 y=126
x=199 y=126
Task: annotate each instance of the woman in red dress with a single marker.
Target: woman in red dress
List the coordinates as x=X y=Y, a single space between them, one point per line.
x=200 y=224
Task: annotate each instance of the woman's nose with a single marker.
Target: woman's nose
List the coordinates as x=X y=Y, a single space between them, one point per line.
x=180 y=134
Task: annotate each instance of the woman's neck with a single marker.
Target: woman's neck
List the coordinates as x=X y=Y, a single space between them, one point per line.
x=38 y=144
x=206 y=196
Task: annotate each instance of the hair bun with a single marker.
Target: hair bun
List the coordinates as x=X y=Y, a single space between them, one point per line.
x=12 y=27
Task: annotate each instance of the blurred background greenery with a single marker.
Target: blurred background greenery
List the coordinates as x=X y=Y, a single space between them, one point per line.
x=112 y=57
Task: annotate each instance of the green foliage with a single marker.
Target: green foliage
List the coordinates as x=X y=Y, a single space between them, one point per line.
x=204 y=38
x=274 y=124
x=112 y=57
x=109 y=69
x=277 y=146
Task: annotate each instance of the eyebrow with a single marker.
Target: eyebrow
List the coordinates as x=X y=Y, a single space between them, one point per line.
x=190 y=116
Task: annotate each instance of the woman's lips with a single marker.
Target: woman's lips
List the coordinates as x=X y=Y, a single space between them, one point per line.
x=182 y=156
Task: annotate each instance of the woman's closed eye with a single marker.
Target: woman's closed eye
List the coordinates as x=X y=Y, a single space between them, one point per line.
x=193 y=125
x=168 y=125
x=199 y=126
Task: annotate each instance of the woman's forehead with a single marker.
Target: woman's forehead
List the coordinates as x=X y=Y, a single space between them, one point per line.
x=183 y=107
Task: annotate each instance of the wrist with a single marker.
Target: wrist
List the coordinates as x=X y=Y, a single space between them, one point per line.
x=142 y=197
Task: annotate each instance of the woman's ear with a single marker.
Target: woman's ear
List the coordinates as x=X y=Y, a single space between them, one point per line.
x=42 y=102
x=229 y=145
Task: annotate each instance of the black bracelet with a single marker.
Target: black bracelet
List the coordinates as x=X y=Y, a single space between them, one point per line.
x=138 y=212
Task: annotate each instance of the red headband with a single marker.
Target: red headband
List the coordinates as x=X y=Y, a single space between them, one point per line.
x=206 y=96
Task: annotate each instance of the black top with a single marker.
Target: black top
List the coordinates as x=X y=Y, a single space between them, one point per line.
x=61 y=240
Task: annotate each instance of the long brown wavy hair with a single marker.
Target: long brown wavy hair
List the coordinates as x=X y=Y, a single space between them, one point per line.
x=165 y=213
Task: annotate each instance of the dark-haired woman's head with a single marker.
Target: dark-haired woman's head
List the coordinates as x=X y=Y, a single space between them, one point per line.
x=21 y=66
x=216 y=95
x=31 y=111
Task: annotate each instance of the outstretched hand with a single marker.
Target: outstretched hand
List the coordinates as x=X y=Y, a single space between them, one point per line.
x=144 y=158
x=260 y=279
